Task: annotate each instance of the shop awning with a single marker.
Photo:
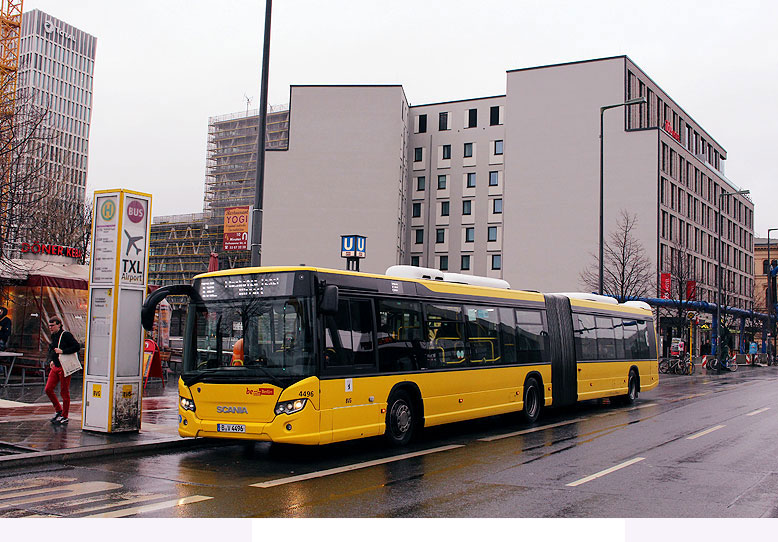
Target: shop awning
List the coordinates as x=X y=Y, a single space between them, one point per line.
x=38 y=273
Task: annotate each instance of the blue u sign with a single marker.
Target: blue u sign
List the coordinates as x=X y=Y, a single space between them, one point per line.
x=352 y=246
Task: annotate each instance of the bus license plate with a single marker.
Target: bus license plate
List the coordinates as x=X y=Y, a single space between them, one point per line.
x=230 y=428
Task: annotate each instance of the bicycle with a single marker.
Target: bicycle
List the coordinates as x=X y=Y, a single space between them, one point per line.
x=728 y=363
x=676 y=366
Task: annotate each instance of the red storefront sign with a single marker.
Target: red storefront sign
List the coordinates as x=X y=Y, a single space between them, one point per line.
x=665 y=287
x=54 y=250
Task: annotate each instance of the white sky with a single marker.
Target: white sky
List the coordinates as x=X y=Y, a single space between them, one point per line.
x=164 y=66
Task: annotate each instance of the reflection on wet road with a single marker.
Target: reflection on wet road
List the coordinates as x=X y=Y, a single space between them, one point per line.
x=697 y=446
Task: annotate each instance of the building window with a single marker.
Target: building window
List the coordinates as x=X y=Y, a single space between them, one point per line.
x=498 y=147
x=446 y=152
x=440 y=235
x=441 y=182
x=491 y=233
x=496 y=261
x=497 y=206
x=493 y=178
x=494 y=115
x=415 y=261
x=472 y=118
x=468 y=150
x=444 y=208
x=471 y=180
x=422 y=124
x=419 y=237
x=443 y=263
x=418 y=154
x=469 y=235
x=420 y=183
x=443 y=121
x=416 y=210
x=465 y=262
x=467 y=207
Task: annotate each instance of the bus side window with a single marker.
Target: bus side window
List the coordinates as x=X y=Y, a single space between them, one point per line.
x=483 y=334
x=446 y=346
x=606 y=346
x=399 y=335
x=349 y=334
x=507 y=336
x=532 y=336
x=585 y=336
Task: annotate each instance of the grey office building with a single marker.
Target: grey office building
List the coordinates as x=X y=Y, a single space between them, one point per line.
x=56 y=67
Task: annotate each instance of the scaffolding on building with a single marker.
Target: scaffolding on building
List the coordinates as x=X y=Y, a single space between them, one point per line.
x=231 y=163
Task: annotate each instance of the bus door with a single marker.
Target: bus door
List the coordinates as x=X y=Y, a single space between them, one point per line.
x=564 y=377
x=349 y=406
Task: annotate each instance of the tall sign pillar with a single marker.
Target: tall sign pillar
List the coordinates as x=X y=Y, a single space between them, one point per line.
x=121 y=223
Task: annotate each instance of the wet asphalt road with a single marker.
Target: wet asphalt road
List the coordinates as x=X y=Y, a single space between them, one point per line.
x=700 y=446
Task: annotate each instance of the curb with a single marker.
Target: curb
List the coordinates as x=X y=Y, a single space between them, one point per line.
x=101 y=450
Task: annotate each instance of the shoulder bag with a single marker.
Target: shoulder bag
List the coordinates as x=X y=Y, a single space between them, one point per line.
x=70 y=362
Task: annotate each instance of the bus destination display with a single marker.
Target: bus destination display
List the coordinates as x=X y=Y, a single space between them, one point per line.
x=246 y=286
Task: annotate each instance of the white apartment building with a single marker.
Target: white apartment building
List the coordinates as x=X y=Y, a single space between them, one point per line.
x=505 y=186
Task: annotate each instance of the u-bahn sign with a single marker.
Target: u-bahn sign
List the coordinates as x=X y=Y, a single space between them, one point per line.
x=353 y=246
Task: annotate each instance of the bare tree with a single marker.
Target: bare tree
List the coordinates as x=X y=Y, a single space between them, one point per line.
x=65 y=222
x=627 y=271
x=26 y=145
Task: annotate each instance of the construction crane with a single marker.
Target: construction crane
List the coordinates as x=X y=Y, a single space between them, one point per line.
x=10 y=41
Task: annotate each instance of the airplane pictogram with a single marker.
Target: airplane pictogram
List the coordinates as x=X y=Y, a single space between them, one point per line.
x=131 y=243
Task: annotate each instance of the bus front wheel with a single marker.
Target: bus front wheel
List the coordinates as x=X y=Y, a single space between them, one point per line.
x=532 y=401
x=400 y=419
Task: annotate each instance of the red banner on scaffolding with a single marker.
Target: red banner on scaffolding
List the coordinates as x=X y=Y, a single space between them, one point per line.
x=691 y=290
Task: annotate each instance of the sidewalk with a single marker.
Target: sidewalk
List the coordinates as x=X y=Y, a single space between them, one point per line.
x=27 y=437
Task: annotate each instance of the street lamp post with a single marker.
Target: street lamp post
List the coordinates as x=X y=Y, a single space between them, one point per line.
x=720 y=273
x=634 y=101
x=769 y=302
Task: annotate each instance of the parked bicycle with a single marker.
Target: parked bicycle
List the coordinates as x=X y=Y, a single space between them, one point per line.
x=729 y=363
x=677 y=366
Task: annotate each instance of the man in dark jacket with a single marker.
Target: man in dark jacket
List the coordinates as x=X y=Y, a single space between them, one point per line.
x=62 y=342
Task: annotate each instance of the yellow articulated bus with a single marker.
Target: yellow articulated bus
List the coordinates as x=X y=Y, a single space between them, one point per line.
x=312 y=356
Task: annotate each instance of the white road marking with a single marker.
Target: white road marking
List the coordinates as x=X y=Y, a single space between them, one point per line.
x=606 y=471
x=647 y=405
x=533 y=430
x=755 y=412
x=348 y=468
x=703 y=433
x=50 y=493
x=124 y=512
x=122 y=502
x=35 y=482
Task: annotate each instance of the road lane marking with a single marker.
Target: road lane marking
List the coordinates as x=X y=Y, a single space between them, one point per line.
x=705 y=432
x=355 y=466
x=755 y=412
x=116 y=504
x=646 y=405
x=533 y=430
x=606 y=471
x=124 y=512
x=50 y=493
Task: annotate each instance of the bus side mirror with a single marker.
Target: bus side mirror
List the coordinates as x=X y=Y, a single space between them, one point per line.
x=329 y=300
x=154 y=298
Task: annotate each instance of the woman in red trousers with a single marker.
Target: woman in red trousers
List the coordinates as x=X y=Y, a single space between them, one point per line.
x=62 y=342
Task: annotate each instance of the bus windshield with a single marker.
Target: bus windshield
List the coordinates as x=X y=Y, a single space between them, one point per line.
x=250 y=339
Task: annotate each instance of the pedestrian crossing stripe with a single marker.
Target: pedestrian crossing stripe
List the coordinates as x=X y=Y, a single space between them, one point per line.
x=124 y=512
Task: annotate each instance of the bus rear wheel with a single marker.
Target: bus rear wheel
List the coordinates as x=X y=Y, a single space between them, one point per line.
x=400 y=419
x=532 y=401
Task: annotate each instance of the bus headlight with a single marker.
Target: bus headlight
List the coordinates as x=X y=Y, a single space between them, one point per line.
x=187 y=404
x=290 y=407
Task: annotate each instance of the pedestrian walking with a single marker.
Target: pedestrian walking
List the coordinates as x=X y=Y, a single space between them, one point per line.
x=62 y=342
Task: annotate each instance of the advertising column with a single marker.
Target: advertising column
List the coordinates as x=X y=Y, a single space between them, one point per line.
x=117 y=285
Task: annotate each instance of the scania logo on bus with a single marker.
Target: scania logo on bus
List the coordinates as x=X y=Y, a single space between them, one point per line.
x=231 y=410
